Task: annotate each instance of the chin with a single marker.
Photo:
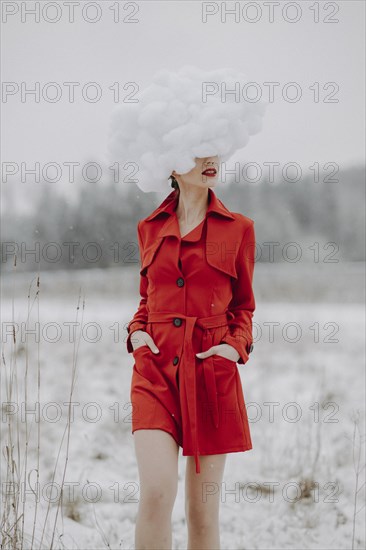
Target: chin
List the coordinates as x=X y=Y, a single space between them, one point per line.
x=208 y=184
x=211 y=182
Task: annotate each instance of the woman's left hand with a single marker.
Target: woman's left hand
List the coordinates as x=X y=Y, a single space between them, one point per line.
x=225 y=350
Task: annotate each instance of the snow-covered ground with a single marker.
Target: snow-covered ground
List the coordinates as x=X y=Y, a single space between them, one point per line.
x=303 y=384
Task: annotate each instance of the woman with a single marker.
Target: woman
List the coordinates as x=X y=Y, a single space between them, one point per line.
x=193 y=325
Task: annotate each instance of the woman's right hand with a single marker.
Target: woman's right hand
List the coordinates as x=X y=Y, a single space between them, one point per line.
x=142 y=338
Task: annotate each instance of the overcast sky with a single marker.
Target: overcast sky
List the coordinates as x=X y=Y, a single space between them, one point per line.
x=169 y=34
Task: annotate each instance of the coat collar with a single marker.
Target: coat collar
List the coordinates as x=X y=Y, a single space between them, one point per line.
x=220 y=241
x=170 y=203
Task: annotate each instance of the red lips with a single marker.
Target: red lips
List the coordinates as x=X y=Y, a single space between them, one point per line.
x=210 y=172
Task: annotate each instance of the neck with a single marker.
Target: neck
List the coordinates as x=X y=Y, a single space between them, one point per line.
x=192 y=203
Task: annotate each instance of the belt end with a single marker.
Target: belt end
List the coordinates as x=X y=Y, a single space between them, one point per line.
x=198 y=469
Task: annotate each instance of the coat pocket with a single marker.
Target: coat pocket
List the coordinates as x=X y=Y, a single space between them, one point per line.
x=230 y=363
x=135 y=351
x=143 y=357
x=225 y=369
x=225 y=375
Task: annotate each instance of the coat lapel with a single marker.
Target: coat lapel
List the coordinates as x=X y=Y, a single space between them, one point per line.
x=222 y=245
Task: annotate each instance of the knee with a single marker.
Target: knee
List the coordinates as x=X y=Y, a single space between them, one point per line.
x=201 y=520
x=157 y=500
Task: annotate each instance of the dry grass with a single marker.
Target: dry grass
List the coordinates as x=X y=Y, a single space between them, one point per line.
x=18 y=447
x=358 y=441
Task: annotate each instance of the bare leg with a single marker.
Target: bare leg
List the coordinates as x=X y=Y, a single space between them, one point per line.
x=202 y=504
x=157 y=460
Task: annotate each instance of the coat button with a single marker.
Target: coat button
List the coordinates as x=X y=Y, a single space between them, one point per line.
x=251 y=348
x=175 y=360
x=177 y=322
x=180 y=281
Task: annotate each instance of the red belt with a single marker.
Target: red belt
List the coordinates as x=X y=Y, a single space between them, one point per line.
x=189 y=359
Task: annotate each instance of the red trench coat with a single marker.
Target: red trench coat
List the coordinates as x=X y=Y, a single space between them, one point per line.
x=200 y=402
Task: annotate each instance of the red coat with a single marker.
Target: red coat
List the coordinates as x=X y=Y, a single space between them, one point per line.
x=186 y=308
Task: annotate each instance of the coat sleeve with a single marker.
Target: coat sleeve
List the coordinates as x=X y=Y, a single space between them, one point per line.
x=139 y=320
x=242 y=305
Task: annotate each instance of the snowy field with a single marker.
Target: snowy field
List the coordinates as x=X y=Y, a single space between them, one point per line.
x=303 y=385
